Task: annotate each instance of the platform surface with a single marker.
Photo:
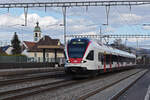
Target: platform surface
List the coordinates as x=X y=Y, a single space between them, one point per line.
x=139 y=91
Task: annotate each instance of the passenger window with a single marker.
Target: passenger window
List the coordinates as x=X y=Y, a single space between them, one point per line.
x=90 y=56
x=107 y=59
x=99 y=57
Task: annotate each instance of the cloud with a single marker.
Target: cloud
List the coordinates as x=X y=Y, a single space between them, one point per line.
x=17 y=21
x=79 y=21
x=10 y=24
x=89 y=33
x=140 y=40
x=109 y=29
x=48 y=24
x=8 y=20
x=44 y=21
x=146 y=27
x=131 y=17
x=78 y=28
x=127 y=18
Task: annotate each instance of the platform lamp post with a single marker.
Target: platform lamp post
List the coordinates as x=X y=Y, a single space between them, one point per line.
x=64 y=23
x=22 y=37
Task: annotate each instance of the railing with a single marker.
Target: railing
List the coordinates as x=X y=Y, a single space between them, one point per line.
x=24 y=59
x=49 y=60
x=13 y=59
x=24 y=62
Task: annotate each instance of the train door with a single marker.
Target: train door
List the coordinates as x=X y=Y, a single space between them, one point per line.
x=90 y=57
x=104 y=61
x=110 y=62
x=100 y=60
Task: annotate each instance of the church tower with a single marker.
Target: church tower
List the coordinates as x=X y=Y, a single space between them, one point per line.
x=37 y=32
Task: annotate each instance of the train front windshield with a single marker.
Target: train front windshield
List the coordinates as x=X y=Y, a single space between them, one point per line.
x=77 y=48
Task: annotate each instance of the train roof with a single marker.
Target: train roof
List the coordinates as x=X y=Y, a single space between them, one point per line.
x=109 y=49
x=114 y=51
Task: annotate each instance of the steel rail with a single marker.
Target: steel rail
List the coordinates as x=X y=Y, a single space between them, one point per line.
x=45 y=75
x=28 y=91
x=19 y=93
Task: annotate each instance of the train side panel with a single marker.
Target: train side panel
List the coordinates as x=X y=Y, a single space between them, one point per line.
x=85 y=56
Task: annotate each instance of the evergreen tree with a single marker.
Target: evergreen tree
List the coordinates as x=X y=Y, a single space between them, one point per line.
x=15 y=42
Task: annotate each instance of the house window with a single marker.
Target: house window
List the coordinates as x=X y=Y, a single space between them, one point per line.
x=47 y=55
x=35 y=54
x=38 y=59
x=58 y=43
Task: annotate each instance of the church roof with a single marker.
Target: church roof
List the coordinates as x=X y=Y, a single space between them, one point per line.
x=37 y=28
x=47 y=43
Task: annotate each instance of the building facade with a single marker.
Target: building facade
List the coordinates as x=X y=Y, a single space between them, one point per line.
x=43 y=49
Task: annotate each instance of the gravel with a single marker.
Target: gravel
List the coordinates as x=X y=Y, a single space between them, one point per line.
x=75 y=91
x=28 y=84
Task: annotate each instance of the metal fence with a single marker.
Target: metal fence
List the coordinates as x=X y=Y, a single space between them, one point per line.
x=25 y=62
x=60 y=61
x=24 y=59
x=13 y=59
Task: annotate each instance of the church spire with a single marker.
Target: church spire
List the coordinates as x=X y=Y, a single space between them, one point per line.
x=37 y=23
x=37 y=32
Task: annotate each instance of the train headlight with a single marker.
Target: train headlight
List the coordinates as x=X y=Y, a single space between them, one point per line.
x=68 y=61
x=83 y=61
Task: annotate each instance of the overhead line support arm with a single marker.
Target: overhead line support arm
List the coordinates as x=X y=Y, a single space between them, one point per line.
x=73 y=4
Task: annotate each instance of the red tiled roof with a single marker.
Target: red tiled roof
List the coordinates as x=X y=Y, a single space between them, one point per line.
x=46 y=41
x=29 y=44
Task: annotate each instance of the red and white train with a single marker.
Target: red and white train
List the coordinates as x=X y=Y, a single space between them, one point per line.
x=85 y=56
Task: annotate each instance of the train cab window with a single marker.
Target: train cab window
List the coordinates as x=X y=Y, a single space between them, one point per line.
x=90 y=56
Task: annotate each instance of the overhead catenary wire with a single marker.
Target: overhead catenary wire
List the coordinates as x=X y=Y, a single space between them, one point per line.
x=125 y=21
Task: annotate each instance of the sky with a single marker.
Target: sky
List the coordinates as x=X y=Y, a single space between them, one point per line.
x=80 y=20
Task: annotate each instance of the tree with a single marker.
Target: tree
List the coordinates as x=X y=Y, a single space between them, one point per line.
x=15 y=42
x=117 y=43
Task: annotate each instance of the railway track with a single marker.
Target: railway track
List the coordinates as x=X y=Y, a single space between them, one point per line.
x=31 y=77
x=19 y=93
x=27 y=91
x=83 y=87
x=52 y=86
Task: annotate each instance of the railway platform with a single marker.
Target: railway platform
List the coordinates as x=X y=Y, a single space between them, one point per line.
x=140 y=90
